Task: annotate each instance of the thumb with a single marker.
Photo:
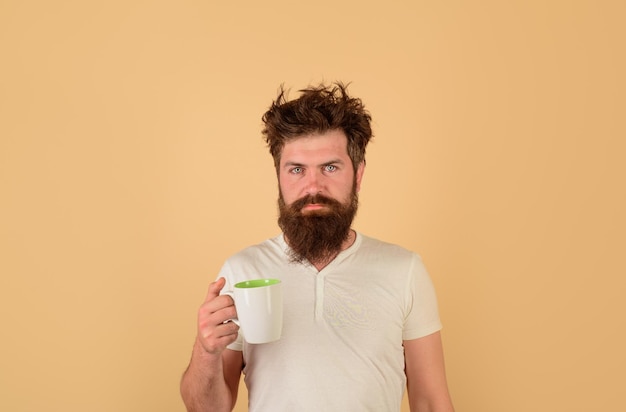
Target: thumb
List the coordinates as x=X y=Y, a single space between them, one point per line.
x=214 y=289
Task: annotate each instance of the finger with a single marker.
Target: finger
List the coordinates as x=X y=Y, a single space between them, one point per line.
x=212 y=325
x=214 y=289
x=228 y=328
x=217 y=315
x=217 y=339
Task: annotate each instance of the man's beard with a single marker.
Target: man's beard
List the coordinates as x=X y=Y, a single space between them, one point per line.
x=317 y=235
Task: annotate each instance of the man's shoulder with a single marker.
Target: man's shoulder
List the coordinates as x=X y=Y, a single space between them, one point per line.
x=255 y=261
x=273 y=245
x=368 y=242
x=378 y=250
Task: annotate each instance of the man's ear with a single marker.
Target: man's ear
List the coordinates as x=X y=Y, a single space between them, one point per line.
x=359 y=175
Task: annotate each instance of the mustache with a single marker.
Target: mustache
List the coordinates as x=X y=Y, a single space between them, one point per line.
x=318 y=199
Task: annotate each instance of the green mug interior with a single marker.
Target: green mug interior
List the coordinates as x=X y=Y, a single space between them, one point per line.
x=248 y=284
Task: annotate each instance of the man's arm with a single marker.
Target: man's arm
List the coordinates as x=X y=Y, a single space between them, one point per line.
x=426 y=375
x=209 y=383
x=211 y=380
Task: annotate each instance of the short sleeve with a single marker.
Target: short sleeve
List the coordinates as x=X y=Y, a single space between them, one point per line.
x=421 y=308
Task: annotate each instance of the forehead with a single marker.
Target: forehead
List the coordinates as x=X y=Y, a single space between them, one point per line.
x=333 y=143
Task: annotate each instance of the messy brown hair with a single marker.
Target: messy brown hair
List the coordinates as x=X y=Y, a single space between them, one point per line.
x=317 y=110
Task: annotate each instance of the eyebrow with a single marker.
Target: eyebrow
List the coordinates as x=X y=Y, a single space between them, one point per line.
x=336 y=161
x=330 y=162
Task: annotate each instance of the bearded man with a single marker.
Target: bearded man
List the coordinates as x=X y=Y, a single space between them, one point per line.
x=361 y=323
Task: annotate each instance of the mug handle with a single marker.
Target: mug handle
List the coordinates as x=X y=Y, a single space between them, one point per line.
x=232 y=295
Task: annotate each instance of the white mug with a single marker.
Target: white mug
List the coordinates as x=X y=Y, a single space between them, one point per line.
x=259 y=305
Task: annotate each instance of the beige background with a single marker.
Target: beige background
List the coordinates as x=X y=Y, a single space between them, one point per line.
x=131 y=166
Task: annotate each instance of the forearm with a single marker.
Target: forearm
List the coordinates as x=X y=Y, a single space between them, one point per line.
x=441 y=405
x=426 y=378
x=203 y=386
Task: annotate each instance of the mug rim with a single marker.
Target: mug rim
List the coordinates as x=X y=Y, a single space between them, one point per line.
x=256 y=283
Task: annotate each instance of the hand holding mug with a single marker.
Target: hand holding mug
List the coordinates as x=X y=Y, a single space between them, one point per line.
x=214 y=332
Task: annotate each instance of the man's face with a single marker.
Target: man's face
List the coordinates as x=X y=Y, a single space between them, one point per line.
x=318 y=165
x=318 y=195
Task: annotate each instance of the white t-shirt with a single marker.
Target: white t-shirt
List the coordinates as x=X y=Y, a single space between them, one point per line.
x=341 y=346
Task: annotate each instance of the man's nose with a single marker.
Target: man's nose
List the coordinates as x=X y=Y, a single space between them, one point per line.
x=314 y=182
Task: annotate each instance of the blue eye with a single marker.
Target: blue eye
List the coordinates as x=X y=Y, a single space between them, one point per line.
x=296 y=170
x=330 y=168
